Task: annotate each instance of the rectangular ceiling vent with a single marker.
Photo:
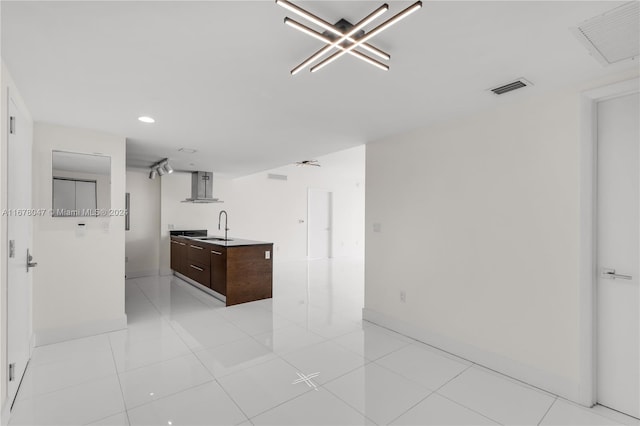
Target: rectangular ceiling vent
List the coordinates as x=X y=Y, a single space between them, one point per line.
x=510 y=87
x=276 y=177
x=613 y=36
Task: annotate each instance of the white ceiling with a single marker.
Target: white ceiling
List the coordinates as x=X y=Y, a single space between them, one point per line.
x=215 y=74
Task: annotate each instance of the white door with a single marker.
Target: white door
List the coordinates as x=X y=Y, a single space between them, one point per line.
x=319 y=224
x=19 y=234
x=618 y=236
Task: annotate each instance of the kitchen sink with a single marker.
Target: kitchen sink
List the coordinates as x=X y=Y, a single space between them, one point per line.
x=215 y=239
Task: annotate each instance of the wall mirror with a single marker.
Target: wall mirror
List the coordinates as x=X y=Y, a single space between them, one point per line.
x=81 y=184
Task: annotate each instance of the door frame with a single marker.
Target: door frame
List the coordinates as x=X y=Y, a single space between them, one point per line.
x=587 y=386
x=330 y=248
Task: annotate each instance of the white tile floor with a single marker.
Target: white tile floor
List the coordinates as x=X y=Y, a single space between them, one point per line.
x=188 y=360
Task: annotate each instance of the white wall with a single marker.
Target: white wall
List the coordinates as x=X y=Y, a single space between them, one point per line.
x=142 y=249
x=79 y=282
x=480 y=221
x=270 y=210
x=6 y=85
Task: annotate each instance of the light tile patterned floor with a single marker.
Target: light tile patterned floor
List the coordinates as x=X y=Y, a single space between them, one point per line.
x=188 y=360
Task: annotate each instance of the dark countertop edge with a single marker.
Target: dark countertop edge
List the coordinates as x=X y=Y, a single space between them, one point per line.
x=236 y=242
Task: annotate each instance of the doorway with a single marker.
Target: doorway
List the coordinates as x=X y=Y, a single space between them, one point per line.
x=19 y=236
x=319 y=220
x=618 y=254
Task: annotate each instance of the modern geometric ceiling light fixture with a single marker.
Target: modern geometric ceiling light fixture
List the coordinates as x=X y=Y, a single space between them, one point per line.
x=344 y=36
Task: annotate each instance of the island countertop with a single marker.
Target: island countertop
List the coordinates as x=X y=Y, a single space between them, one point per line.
x=232 y=242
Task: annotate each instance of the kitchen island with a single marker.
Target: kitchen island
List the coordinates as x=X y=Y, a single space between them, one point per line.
x=233 y=270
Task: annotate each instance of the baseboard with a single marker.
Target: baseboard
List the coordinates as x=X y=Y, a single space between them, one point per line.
x=200 y=287
x=530 y=375
x=61 y=334
x=140 y=274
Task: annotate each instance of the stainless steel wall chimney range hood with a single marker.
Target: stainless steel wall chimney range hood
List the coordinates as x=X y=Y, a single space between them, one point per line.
x=202 y=188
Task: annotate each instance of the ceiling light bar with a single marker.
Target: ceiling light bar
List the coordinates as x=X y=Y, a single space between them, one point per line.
x=406 y=12
x=373 y=15
x=327 y=26
x=323 y=38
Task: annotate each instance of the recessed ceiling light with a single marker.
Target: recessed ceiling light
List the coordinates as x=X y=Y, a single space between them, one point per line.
x=146 y=119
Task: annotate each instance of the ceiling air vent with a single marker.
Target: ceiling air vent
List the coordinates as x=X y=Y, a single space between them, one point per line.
x=276 y=177
x=509 y=87
x=613 y=36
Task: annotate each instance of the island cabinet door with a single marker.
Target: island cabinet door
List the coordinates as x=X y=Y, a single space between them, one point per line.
x=199 y=273
x=182 y=257
x=197 y=252
x=176 y=255
x=219 y=270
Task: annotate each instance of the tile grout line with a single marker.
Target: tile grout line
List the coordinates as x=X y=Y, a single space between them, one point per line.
x=345 y=402
x=115 y=366
x=84 y=382
x=232 y=400
x=169 y=395
x=430 y=393
x=468 y=408
x=215 y=379
x=279 y=404
x=547 y=412
x=457 y=402
x=460 y=404
x=412 y=407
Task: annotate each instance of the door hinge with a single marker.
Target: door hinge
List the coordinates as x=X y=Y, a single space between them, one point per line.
x=12 y=371
x=12 y=248
x=12 y=125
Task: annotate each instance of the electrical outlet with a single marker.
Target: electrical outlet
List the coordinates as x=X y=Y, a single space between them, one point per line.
x=377 y=227
x=171 y=226
x=267 y=254
x=403 y=296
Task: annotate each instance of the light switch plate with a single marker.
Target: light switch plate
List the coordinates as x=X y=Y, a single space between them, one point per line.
x=267 y=254
x=377 y=227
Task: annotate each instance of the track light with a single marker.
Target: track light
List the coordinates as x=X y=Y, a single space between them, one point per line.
x=160 y=168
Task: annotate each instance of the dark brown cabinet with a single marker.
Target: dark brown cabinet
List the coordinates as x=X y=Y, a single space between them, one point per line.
x=249 y=273
x=198 y=263
x=178 y=254
x=219 y=270
x=241 y=273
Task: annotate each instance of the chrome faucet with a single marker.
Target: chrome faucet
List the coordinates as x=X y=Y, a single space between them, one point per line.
x=226 y=227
